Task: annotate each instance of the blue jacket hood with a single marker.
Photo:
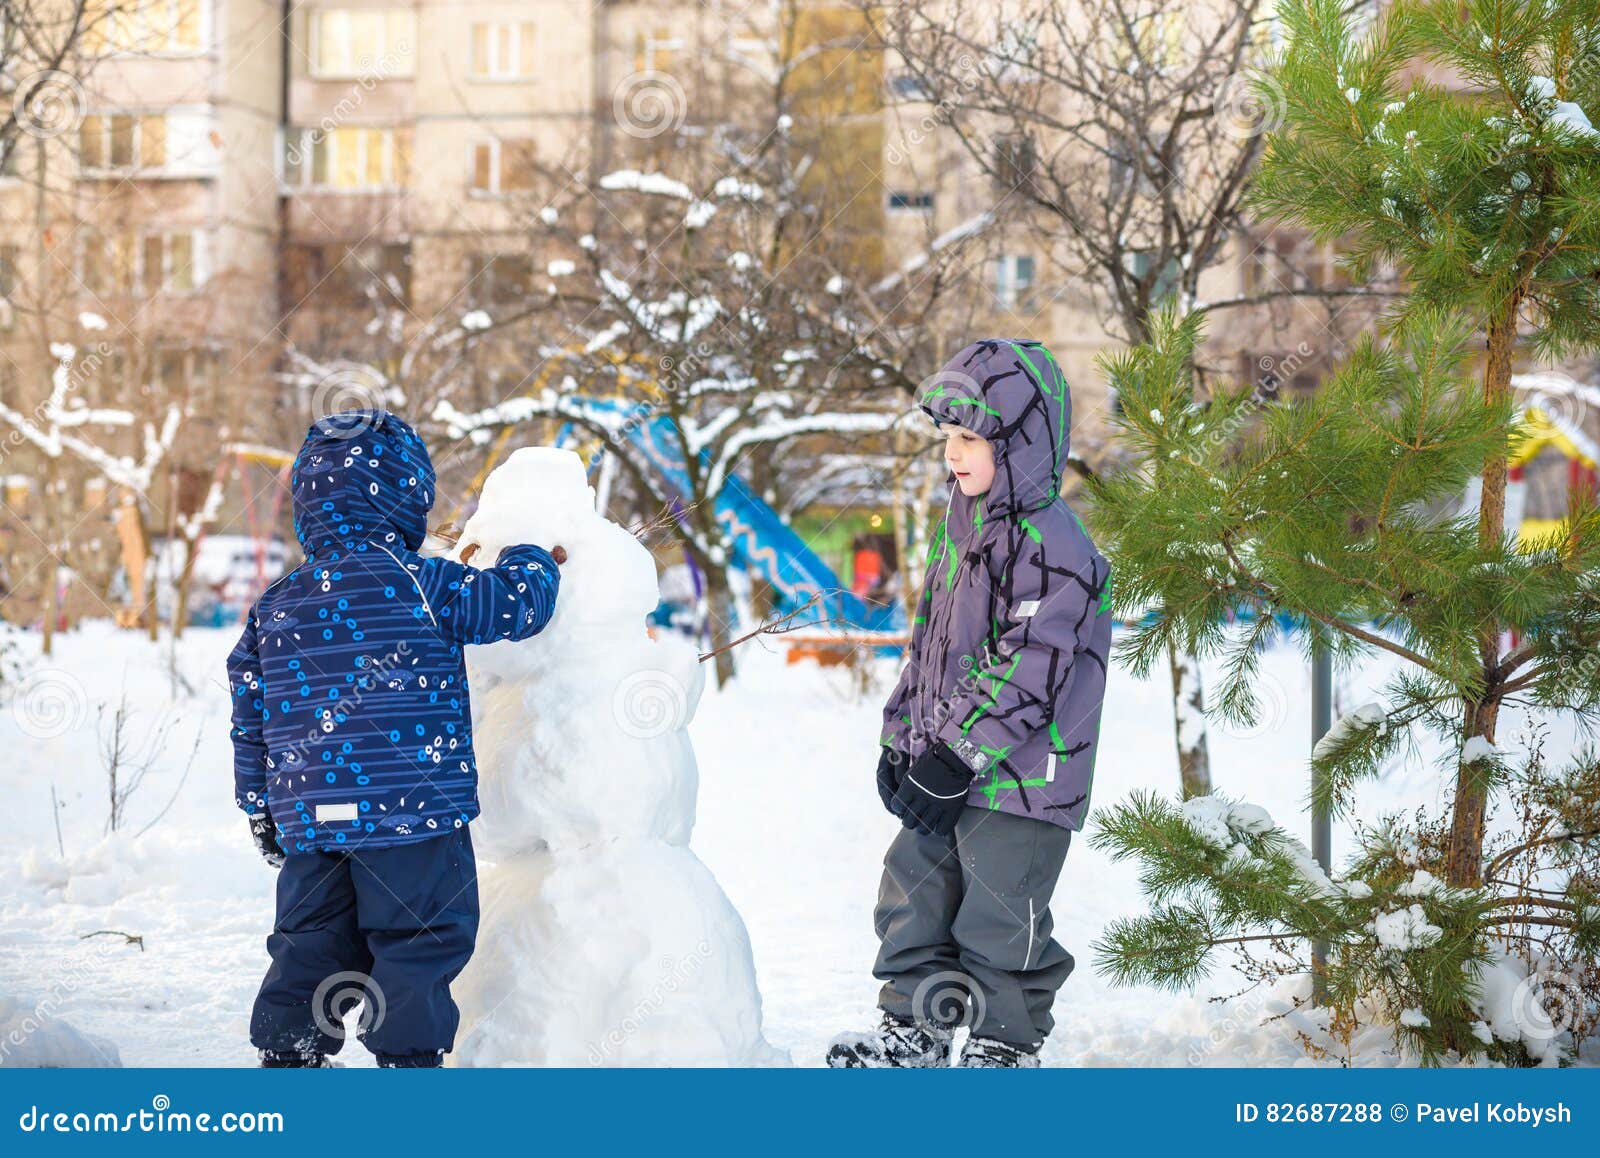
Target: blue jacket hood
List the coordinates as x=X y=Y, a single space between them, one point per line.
x=361 y=475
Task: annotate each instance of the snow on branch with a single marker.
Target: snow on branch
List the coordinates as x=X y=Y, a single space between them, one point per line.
x=339 y=378
x=47 y=429
x=632 y=179
x=548 y=403
x=656 y=318
x=968 y=228
x=192 y=526
x=698 y=437
x=778 y=429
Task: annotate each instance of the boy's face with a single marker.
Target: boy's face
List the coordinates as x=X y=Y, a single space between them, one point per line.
x=969 y=457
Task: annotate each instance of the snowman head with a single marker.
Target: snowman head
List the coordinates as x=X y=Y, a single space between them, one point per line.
x=542 y=495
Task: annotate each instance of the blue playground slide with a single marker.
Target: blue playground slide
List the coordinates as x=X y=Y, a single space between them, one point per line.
x=766 y=545
x=763 y=543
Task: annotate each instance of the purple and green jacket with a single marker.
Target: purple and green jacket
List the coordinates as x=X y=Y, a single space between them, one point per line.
x=1012 y=631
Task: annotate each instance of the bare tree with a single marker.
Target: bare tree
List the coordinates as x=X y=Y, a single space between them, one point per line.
x=719 y=299
x=1124 y=133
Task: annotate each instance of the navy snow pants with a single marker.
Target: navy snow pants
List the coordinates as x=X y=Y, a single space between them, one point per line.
x=390 y=926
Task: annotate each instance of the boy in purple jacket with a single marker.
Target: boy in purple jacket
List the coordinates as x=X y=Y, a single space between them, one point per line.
x=992 y=732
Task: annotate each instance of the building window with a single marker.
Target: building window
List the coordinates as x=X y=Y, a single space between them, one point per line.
x=502 y=50
x=502 y=166
x=122 y=142
x=905 y=85
x=499 y=277
x=347 y=158
x=1322 y=268
x=1260 y=371
x=193 y=372
x=111 y=377
x=1013 y=281
x=1127 y=178
x=170 y=261
x=1014 y=49
x=1140 y=262
x=349 y=272
x=1290 y=262
x=656 y=51
x=355 y=42
x=107 y=263
x=146 y=26
x=1014 y=162
x=920 y=201
x=9 y=257
x=1155 y=42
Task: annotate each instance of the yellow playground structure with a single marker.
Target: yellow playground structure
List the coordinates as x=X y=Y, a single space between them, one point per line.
x=1543 y=430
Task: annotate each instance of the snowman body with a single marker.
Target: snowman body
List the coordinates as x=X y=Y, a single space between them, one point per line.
x=603 y=939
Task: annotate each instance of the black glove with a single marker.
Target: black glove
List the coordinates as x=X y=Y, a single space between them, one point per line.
x=933 y=793
x=891 y=766
x=264 y=833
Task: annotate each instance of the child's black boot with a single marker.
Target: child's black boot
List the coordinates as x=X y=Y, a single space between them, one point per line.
x=896 y=1044
x=985 y=1053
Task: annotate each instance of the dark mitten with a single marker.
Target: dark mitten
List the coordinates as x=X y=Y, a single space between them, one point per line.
x=934 y=791
x=264 y=833
x=891 y=767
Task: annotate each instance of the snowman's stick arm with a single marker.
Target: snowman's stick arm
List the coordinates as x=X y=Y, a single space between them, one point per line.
x=780 y=625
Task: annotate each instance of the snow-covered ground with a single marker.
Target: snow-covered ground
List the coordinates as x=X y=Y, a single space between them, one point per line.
x=789 y=821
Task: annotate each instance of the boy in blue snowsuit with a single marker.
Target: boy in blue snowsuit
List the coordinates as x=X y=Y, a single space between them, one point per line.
x=352 y=738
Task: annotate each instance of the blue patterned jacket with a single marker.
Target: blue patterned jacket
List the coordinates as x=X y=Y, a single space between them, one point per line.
x=351 y=720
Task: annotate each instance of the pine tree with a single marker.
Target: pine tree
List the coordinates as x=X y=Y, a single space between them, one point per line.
x=1485 y=195
x=1335 y=511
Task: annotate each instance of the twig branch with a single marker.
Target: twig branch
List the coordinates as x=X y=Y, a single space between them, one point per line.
x=779 y=626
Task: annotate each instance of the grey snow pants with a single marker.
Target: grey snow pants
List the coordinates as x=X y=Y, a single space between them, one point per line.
x=964 y=925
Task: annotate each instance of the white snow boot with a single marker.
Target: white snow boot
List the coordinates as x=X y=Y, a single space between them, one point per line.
x=896 y=1044
x=985 y=1053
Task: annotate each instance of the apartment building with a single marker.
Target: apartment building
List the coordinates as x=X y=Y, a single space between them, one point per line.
x=341 y=174
x=230 y=175
x=138 y=240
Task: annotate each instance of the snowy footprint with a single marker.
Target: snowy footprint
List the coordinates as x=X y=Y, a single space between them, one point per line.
x=604 y=940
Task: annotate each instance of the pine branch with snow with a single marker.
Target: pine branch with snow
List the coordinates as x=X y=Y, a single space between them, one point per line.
x=1407 y=951
x=1325 y=511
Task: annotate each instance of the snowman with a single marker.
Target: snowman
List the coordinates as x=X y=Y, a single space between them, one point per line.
x=603 y=939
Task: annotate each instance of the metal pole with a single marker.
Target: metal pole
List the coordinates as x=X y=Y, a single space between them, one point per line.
x=1321 y=823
